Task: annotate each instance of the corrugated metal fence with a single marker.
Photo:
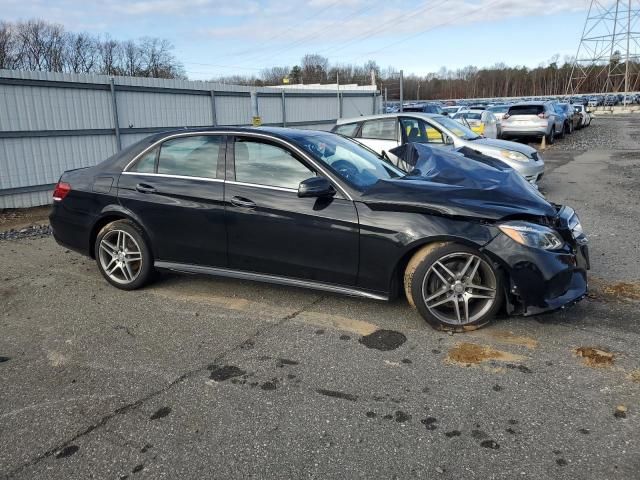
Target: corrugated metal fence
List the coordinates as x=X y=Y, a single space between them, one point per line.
x=52 y=122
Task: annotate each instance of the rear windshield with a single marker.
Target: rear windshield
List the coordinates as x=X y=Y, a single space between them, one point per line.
x=526 y=109
x=499 y=108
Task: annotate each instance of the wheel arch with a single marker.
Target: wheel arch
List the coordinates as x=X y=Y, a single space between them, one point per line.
x=112 y=214
x=397 y=278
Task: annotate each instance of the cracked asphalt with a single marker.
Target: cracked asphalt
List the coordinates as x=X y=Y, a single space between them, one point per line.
x=196 y=377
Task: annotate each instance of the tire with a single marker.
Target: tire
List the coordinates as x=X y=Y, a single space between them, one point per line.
x=551 y=138
x=123 y=255
x=462 y=303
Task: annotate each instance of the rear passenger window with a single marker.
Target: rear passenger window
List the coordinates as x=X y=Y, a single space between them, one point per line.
x=146 y=163
x=195 y=156
x=383 y=129
x=348 y=130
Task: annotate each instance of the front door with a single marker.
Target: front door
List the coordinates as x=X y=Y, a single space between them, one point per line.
x=177 y=192
x=271 y=230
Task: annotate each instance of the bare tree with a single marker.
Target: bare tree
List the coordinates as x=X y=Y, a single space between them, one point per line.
x=7 y=46
x=82 y=53
x=314 y=68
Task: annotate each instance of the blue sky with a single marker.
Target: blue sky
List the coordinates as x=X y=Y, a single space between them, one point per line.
x=215 y=37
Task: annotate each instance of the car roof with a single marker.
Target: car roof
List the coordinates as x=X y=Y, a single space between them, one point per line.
x=281 y=132
x=342 y=121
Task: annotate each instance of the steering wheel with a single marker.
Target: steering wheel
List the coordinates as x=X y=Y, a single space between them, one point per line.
x=346 y=169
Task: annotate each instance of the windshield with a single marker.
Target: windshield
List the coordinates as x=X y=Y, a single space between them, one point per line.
x=456 y=128
x=356 y=165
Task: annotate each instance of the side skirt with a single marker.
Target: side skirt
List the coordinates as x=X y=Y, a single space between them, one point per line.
x=261 y=277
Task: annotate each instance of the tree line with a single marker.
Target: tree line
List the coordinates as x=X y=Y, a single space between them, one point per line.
x=42 y=46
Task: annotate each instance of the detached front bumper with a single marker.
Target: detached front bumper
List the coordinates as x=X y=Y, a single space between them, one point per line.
x=539 y=280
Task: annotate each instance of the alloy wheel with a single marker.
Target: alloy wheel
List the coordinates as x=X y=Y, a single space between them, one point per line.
x=120 y=256
x=459 y=288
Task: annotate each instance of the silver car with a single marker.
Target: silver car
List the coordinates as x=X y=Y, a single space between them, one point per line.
x=533 y=119
x=387 y=131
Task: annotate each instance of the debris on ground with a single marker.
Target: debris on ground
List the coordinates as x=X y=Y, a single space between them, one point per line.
x=620 y=412
x=595 y=357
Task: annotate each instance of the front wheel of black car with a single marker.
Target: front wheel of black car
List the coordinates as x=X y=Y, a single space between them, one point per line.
x=123 y=256
x=454 y=287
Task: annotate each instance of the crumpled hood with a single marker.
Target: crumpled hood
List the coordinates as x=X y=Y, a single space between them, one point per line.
x=449 y=183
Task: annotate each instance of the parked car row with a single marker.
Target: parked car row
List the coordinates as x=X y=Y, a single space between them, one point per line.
x=527 y=120
x=546 y=120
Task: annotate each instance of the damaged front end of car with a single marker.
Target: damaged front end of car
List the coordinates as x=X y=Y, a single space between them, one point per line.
x=540 y=248
x=545 y=262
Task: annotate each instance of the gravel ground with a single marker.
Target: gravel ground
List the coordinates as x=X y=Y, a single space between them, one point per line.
x=30 y=231
x=198 y=377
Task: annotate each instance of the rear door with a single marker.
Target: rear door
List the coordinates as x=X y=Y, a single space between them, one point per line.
x=176 y=189
x=273 y=231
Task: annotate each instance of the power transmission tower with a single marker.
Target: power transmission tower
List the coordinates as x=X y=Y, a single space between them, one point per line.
x=609 y=50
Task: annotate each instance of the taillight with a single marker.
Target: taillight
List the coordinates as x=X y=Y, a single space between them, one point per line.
x=543 y=115
x=62 y=190
x=505 y=116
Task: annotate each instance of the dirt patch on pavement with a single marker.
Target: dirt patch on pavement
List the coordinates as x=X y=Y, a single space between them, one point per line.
x=509 y=338
x=473 y=354
x=617 y=290
x=634 y=376
x=23 y=217
x=595 y=357
x=626 y=290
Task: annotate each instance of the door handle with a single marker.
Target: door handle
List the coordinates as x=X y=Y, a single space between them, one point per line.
x=242 y=202
x=145 y=188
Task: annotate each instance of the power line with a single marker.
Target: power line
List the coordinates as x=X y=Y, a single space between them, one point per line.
x=377 y=29
x=281 y=33
x=312 y=35
x=422 y=32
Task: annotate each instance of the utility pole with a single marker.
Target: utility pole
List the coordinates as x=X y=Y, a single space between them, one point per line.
x=338 y=93
x=401 y=91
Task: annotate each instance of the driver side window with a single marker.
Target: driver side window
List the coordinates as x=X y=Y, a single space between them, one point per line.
x=266 y=164
x=418 y=131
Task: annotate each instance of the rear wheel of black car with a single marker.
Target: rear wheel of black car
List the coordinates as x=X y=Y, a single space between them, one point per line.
x=123 y=256
x=454 y=287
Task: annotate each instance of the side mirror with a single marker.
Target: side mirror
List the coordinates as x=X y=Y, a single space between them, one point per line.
x=446 y=114
x=448 y=140
x=316 y=187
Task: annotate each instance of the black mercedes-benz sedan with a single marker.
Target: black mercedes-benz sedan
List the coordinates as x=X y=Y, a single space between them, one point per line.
x=462 y=238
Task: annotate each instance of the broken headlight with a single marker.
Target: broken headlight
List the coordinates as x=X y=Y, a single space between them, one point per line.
x=532 y=235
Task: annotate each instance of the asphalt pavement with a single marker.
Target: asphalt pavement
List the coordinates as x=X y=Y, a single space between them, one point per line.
x=195 y=377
